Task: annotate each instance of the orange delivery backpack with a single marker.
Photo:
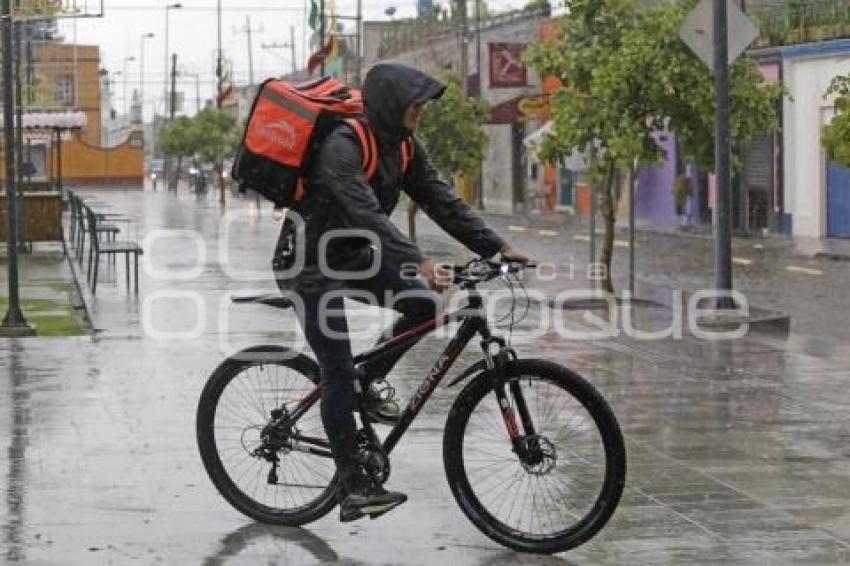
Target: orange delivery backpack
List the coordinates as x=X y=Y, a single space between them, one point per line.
x=285 y=128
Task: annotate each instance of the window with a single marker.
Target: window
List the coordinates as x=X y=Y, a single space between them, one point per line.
x=63 y=90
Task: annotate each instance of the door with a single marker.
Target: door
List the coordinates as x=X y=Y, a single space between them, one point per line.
x=757 y=184
x=517 y=168
x=565 y=187
x=837 y=201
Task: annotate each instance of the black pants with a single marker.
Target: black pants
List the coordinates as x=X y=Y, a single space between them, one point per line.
x=326 y=330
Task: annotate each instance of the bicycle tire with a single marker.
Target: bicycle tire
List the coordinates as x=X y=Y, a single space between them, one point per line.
x=205 y=431
x=583 y=392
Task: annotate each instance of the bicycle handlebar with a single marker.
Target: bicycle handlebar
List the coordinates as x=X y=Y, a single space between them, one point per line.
x=483 y=270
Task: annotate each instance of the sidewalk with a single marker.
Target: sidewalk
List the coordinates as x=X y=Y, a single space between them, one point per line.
x=49 y=298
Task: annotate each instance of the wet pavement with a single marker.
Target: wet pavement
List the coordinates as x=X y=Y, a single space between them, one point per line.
x=738 y=451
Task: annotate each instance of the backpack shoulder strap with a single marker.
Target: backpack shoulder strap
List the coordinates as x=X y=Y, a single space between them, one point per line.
x=407 y=147
x=368 y=145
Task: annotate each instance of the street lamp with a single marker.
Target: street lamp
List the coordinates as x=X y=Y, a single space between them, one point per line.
x=175 y=6
x=126 y=60
x=144 y=36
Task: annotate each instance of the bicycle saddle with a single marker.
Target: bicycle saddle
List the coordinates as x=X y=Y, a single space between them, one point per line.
x=272 y=300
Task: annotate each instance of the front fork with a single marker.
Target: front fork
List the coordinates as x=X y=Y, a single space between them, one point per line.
x=496 y=356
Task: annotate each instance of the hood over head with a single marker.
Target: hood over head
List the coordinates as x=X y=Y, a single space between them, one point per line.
x=388 y=90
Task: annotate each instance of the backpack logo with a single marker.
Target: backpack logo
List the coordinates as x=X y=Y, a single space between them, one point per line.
x=279 y=132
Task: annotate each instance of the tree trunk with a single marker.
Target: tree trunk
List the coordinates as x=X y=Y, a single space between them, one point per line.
x=607 y=208
x=177 y=173
x=412 y=209
x=219 y=170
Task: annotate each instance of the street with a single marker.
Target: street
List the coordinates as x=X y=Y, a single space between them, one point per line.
x=737 y=451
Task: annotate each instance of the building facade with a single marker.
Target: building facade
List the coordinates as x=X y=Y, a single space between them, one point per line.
x=68 y=78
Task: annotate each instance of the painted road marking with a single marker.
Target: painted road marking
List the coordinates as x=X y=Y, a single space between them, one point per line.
x=803 y=270
x=547 y=233
x=516 y=228
x=617 y=243
x=742 y=261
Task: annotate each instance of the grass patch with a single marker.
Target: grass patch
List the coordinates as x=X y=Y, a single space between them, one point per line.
x=51 y=318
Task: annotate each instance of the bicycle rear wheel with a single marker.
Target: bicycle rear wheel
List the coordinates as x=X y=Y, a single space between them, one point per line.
x=235 y=406
x=568 y=483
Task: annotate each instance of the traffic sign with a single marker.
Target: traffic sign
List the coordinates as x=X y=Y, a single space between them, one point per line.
x=697 y=31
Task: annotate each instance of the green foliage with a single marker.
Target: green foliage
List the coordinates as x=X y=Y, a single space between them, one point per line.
x=537 y=5
x=208 y=137
x=626 y=74
x=836 y=135
x=179 y=138
x=801 y=20
x=451 y=130
x=220 y=135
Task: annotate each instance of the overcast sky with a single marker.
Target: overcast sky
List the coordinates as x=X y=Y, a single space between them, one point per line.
x=192 y=35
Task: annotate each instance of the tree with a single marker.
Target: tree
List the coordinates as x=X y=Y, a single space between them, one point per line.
x=626 y=76
x=210 y=137
x=220 y=133
x=451 y=130
x=836 y=135
x=179 y=139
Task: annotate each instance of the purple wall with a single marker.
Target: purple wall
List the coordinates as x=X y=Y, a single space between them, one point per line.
x=654 y=204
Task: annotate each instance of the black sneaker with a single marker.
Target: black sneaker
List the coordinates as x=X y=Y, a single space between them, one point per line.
x=364 y=497
x=381 y=402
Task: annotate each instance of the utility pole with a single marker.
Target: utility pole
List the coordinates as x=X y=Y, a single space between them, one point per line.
x=292 y=48
x=290 y=45
x=462 y=44
x=197 y=93
x=219 y=70
x=171 y=108
x=173 y=104
x=358 y=69
x=19 y=131
x=248 y=31
x=479 y=179
x=723 y=209
x=14 y=322
x=322 y=34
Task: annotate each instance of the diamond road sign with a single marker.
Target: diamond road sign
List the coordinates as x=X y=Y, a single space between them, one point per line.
x=697 y=31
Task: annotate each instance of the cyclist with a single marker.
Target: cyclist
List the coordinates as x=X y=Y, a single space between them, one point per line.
x=341 y=197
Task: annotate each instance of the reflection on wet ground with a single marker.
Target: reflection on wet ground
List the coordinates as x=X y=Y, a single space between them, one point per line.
x=738 y=452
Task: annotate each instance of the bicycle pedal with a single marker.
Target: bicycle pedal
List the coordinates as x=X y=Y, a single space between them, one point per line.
x=350 y=515
x=375 y=514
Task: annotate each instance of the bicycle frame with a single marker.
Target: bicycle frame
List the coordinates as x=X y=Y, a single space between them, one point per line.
x=472 y=322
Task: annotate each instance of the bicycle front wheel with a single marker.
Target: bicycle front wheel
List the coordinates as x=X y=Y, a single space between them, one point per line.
x=558 y=481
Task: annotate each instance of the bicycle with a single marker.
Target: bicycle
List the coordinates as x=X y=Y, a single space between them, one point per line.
x=520 y=432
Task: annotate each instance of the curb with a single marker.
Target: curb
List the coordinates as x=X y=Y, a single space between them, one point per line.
x=84 y=303
x=832 y=256
x=775 y=323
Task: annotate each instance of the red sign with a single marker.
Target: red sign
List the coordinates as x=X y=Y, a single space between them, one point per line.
x=506 y=66
x=504 y=113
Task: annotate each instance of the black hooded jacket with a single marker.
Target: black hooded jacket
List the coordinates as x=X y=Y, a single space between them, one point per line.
x=340 y=197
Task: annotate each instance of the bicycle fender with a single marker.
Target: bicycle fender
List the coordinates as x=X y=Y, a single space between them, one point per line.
x=474 y=368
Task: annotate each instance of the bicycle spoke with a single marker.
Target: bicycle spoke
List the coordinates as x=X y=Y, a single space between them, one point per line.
x=541 y=497
x=243 y=409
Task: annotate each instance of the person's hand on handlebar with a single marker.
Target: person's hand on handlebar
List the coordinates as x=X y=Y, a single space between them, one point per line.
x=438 y=275
x=511 y=253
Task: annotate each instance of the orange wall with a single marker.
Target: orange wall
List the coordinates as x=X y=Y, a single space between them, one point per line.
x=91 y=164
